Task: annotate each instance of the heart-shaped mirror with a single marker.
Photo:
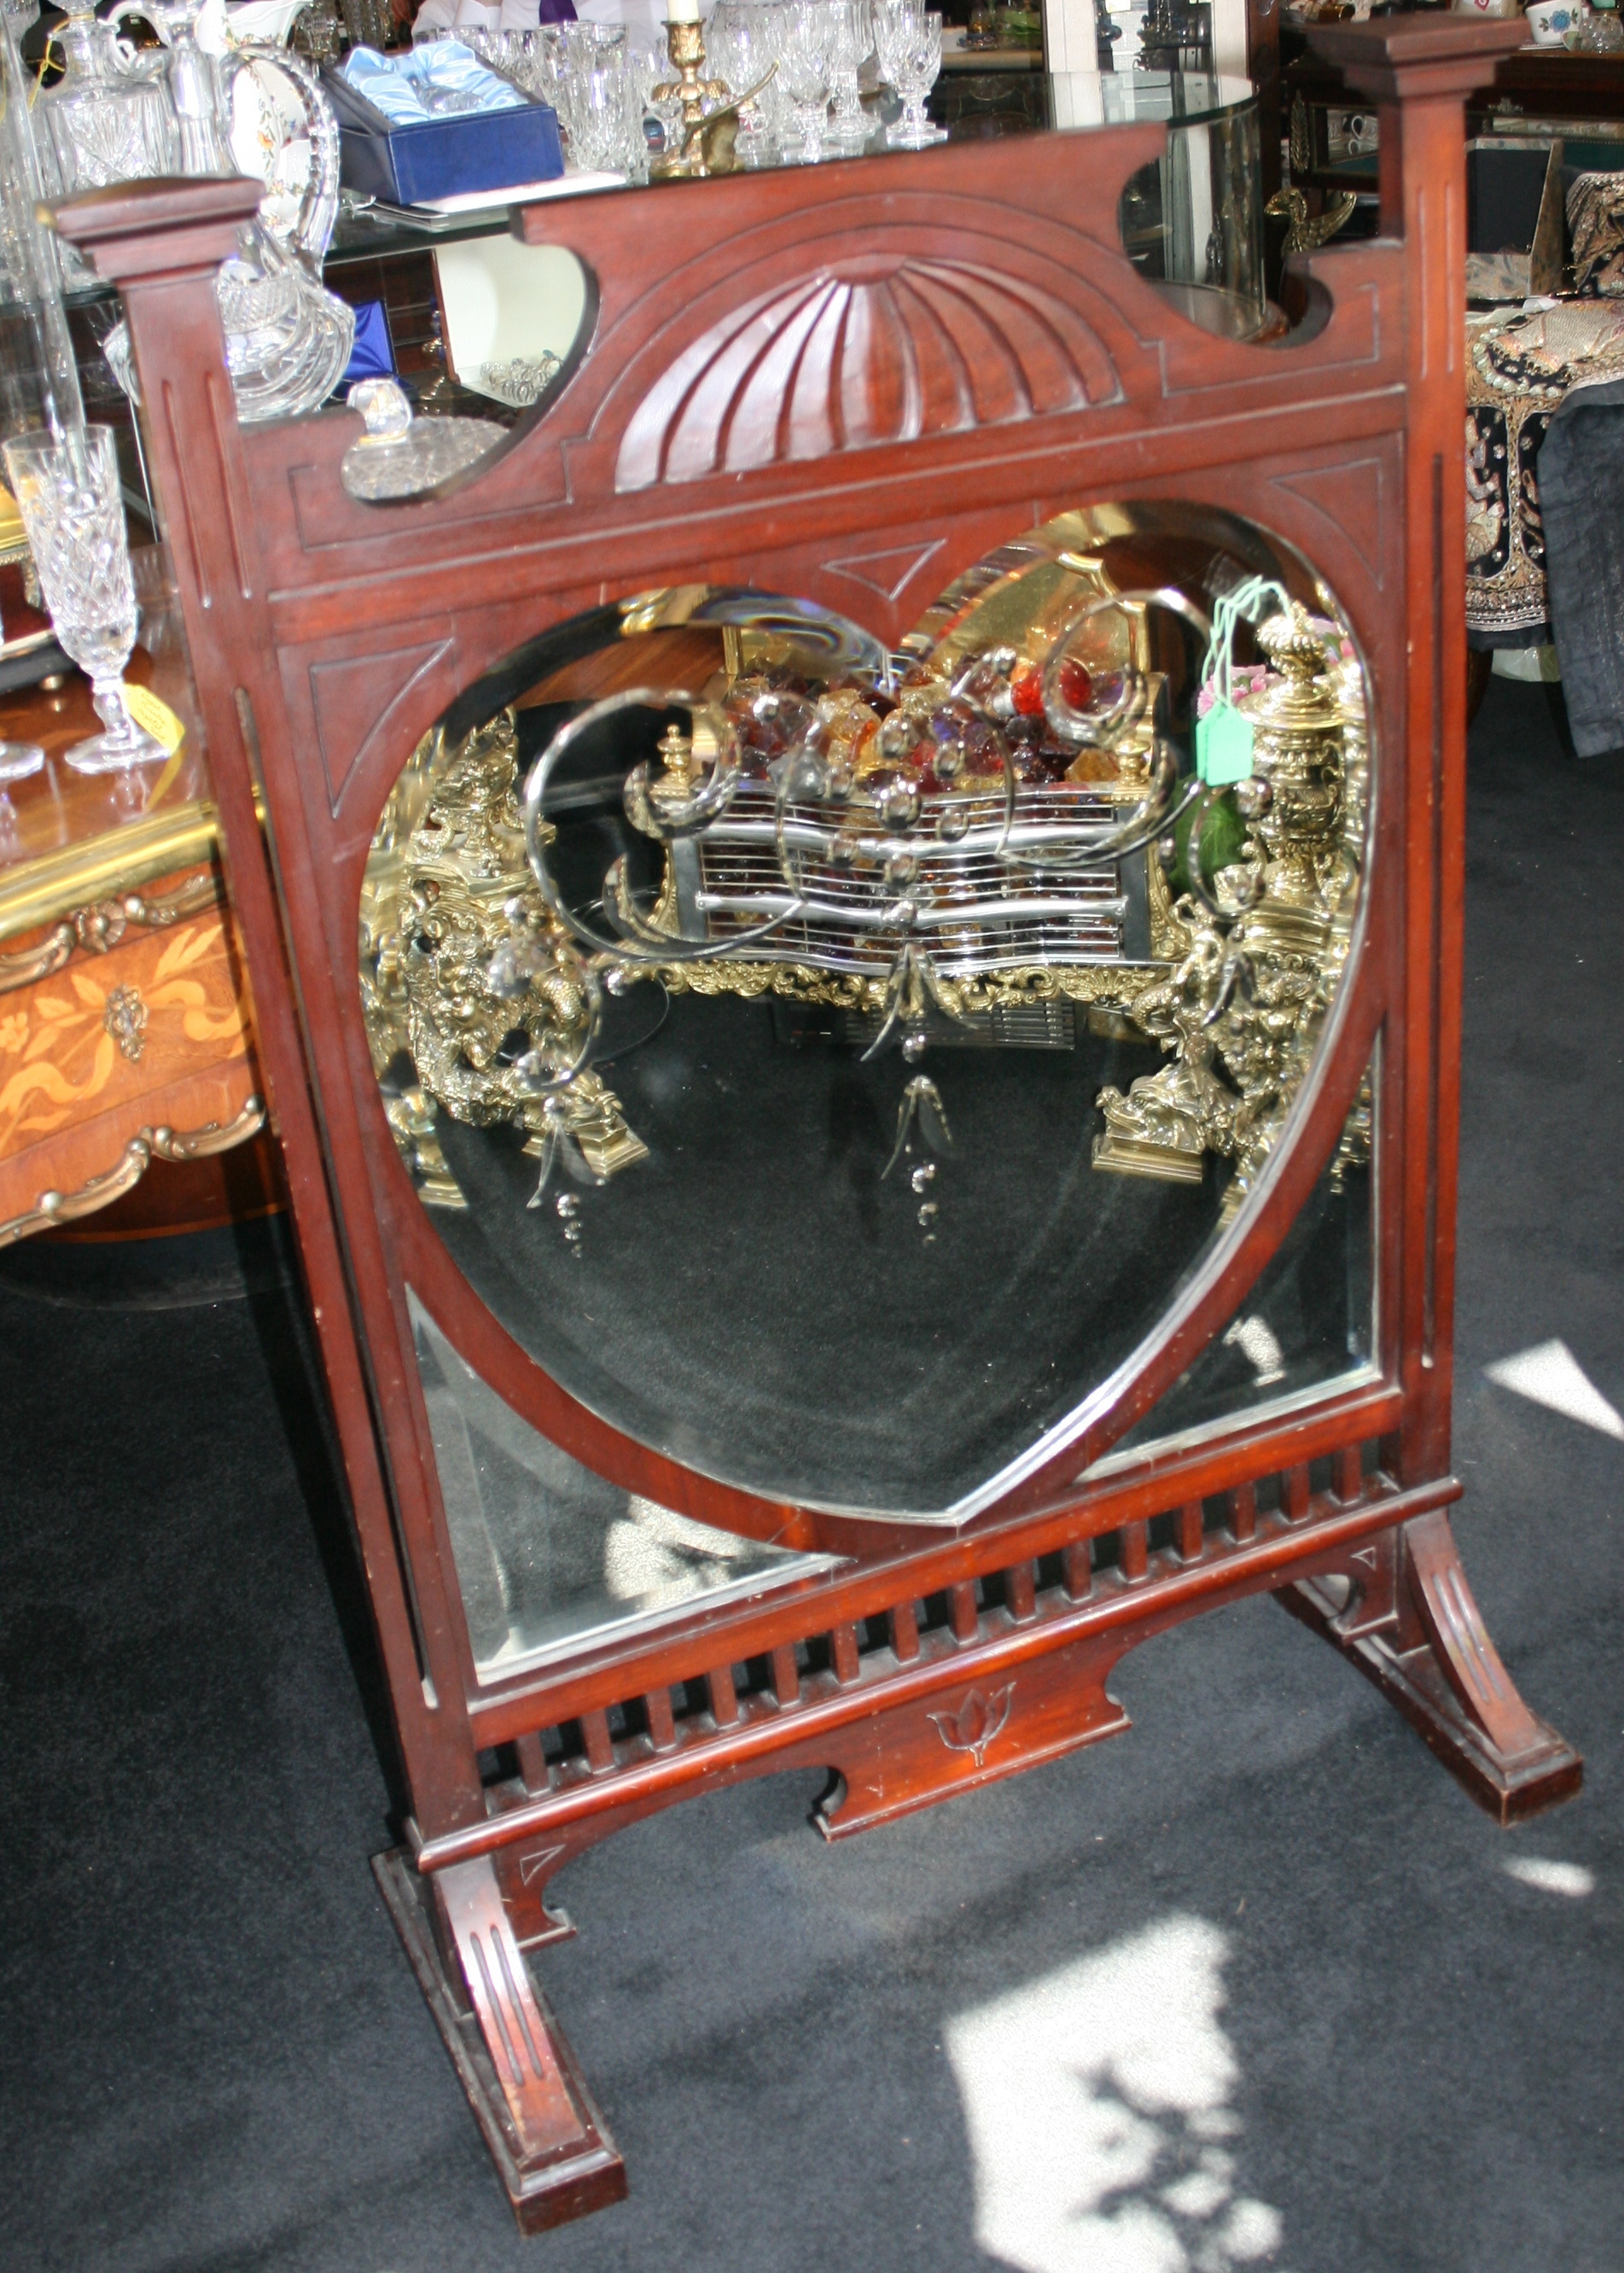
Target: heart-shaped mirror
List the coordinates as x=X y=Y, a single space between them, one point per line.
x=830 y=1066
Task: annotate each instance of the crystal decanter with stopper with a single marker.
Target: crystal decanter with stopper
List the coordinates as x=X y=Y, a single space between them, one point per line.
x=288 y=340
x=105 y=121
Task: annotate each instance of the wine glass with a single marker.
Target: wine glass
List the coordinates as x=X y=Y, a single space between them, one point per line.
x=851 y=38
x=801 y=36
x=739 y=41
x=72 y=507
x=909 y=40
x=18 y=761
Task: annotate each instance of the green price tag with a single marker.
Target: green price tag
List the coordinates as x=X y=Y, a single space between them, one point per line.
x=1222 y=745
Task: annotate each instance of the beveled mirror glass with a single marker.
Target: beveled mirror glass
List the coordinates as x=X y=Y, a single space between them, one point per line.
x=868 y=1048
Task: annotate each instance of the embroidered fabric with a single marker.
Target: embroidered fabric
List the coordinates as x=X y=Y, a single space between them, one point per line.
x=1596 y=231
x=1522 y=363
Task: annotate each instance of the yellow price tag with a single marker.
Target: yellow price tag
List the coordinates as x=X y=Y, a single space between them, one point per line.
x=154 y=717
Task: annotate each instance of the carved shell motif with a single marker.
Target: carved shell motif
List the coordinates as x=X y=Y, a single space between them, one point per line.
x=834 y=363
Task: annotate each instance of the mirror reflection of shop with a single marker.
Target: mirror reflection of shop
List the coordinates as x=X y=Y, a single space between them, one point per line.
x=829 y=1063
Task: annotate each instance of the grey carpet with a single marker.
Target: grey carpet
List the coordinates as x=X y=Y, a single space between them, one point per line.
x=1282 y=1963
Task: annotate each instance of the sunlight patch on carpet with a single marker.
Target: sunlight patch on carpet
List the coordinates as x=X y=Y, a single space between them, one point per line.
x=1097 y=2101
x=1550 y=1374
x=1570 y=1878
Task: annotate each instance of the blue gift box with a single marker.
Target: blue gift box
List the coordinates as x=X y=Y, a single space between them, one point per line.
x=441 y=157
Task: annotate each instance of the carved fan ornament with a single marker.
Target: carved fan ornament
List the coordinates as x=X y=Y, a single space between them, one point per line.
x=836 y=361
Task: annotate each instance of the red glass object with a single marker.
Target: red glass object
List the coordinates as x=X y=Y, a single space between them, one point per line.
x=1077 y=684
x=1026 y=690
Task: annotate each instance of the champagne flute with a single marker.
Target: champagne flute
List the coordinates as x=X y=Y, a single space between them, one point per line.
x=72 y=506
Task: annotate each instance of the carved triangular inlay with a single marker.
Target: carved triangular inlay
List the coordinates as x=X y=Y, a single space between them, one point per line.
x=1350 y=496
x=353 y=700
x=890 y=573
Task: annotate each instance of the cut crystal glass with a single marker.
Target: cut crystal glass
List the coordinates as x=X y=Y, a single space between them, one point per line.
x=73 y=510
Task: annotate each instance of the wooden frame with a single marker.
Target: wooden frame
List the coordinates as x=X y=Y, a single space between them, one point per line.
x=328 y=635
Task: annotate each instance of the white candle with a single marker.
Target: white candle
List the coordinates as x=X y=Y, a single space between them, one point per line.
x=682 y=11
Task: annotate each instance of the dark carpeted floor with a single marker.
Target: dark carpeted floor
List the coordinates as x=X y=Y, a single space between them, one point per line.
x=1253 y=1984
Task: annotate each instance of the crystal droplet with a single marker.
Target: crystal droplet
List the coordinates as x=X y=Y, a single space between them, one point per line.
x=920 y=1178
x=928 y=1213
x=898 y=736
x=913 y=1048
x=899 y=804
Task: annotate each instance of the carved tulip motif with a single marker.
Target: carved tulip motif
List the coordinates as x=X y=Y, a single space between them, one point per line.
x=976 y=1723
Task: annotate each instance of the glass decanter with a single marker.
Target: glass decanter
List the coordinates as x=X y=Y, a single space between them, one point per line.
x=103 y=121
x=107 y=122
x=288 y=340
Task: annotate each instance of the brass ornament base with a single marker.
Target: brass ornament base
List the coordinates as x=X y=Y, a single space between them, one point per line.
x=1122 y=1155
x=709 y=140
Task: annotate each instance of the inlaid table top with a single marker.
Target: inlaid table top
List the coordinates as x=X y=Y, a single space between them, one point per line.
x=124 y=1022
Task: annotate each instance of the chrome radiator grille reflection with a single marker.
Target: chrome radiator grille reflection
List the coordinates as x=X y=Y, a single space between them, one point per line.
x=973 y=909
x=914 y=839
x=960 y=846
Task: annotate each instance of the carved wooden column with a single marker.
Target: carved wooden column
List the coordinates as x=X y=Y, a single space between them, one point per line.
x=1420 y=72
x=161 y=243
x=1410 y=1622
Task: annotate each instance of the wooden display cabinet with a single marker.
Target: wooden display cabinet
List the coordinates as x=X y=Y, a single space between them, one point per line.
x=850 y=386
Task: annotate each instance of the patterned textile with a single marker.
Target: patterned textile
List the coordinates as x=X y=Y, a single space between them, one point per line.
x=1582 y=473
x=1596 y=231
x=1520 y=364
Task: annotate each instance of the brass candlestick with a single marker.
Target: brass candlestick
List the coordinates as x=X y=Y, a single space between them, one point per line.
x=685 y=44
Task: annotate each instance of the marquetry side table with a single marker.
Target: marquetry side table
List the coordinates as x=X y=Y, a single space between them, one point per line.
x=125 y=1029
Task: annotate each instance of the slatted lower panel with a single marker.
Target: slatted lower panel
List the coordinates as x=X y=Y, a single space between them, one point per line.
x=961 y=1622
